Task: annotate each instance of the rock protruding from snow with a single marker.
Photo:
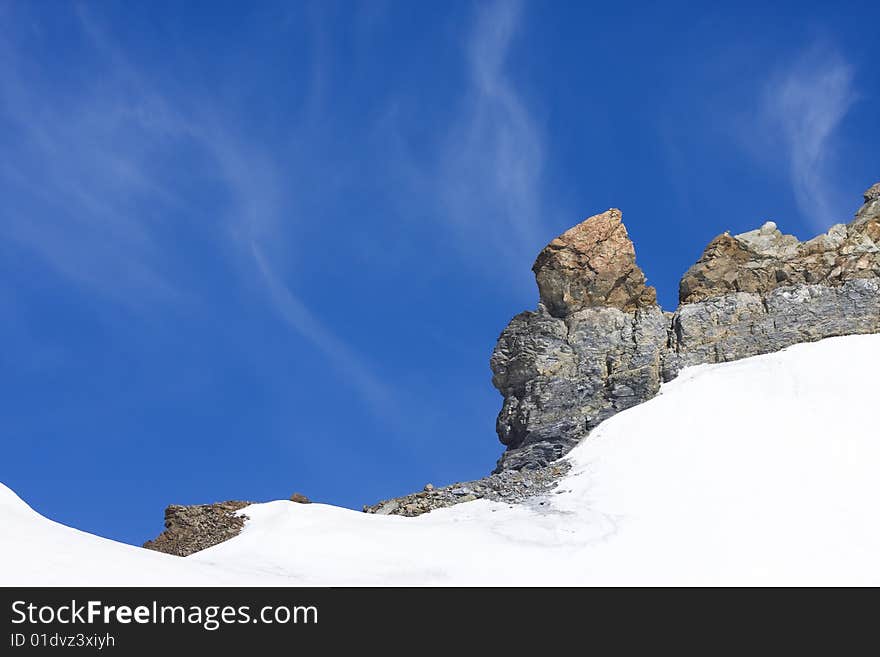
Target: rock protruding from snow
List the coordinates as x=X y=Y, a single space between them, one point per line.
x=762 y=291
x=598 y=343
x=190 y=529
x=743 y=324
x=592 y=349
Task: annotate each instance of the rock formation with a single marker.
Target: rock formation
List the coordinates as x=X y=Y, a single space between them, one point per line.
x=763 y=291
x=592 y=348
x=189 y=529
x=598 y=343
x=600 y=246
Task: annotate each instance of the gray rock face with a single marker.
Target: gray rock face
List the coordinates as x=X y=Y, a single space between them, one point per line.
x=562 y=377
x=763 y=291
x=596 y=346
x=744 y=324
x=597 y=352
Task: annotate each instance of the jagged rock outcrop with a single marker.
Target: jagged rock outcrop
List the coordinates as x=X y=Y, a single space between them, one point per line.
x=598 y=343
x=592 y=348
x=743 y=324
x=762 y=260
x=763 y=291
x=189 y=529
x=592 y=265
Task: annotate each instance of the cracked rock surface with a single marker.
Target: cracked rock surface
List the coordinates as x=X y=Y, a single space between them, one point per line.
x=591 y=349
x=598 y=343
x=762 y=291
x=763 y=260
x=562 y=377
x=592 y=265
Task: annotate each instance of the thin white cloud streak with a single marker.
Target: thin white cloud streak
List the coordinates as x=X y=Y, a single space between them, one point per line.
x=256 y=221
x=84 y=162
x=349 y=364
x=77 y=167
x=479 y=185
x=491 y=166
x=804 y=104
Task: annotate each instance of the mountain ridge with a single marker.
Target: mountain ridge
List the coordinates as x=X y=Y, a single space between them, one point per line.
x=598 y=343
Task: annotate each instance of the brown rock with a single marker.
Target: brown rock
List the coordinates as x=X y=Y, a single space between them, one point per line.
x=592 y=265
x=299 y=498
x=762 y=260
x=190 y=529
x=598 y=344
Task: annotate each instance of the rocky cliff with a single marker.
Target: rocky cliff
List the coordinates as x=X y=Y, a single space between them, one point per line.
x=592 y=348
x=598 y=343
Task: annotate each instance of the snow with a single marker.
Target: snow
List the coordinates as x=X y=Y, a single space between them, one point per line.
x=757 y=472
x=35 y=551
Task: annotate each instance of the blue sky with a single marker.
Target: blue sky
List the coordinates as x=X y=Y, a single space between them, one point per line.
x=249 y=249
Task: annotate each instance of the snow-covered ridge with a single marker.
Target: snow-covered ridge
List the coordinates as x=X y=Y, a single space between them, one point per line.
x=760 y=471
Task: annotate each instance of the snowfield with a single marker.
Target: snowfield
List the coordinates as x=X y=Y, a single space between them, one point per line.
x=761 y=471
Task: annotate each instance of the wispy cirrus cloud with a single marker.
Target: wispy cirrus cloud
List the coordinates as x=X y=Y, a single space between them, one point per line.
x=350 y=365
x=484 y=178
x=803 y=105
x=98 y=184
x=260 y=222
x=77 y=165
x=105 y=175
x=493 y=158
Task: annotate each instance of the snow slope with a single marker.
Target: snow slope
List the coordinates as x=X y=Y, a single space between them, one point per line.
x=762 y=471
x=35 y=551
